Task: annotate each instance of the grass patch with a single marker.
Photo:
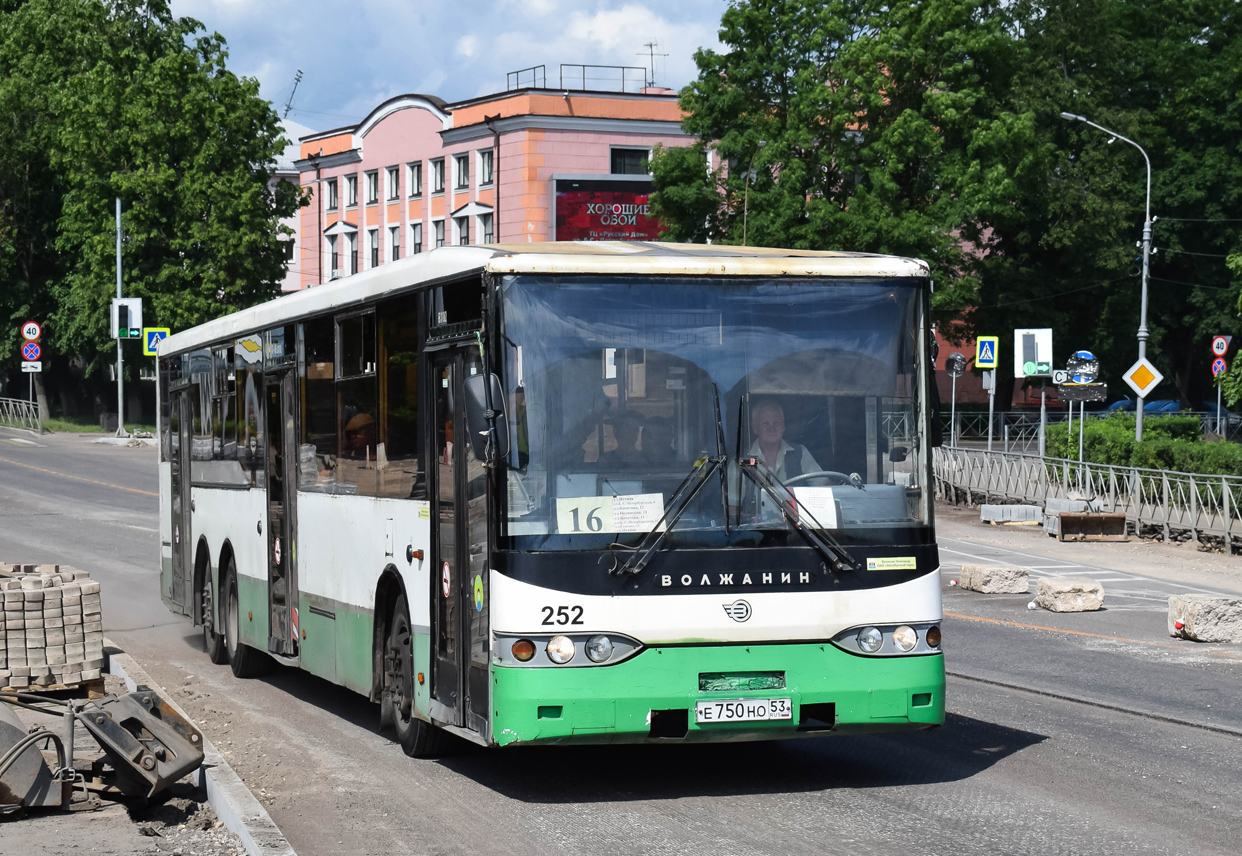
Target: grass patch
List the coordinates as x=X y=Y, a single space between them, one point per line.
x=85 y=425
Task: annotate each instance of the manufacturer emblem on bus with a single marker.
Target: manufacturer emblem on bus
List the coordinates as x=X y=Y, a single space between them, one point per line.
x=739 y=610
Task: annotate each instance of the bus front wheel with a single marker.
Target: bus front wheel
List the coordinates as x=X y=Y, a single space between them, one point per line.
x=245 y=661
x=418 y=739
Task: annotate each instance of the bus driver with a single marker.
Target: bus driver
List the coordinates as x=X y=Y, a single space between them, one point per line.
x=785 y=460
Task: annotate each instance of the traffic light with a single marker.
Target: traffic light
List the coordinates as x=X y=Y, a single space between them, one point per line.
x=127 y=318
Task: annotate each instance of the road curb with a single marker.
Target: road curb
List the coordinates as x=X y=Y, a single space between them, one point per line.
x=228 y=795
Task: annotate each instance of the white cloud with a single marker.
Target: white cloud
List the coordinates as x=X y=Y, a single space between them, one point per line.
x=354 y=55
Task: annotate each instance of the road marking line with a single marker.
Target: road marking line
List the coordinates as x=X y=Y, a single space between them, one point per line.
x=1083 y=633
x=77 y=478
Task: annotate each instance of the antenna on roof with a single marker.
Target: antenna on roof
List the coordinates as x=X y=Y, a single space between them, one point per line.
x=297 y=78
x=651 y=55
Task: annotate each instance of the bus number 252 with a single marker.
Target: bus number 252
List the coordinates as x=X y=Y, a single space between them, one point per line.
x=562 y=615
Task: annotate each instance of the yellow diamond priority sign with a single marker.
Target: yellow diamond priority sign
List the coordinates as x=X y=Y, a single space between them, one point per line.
x=1142 y=377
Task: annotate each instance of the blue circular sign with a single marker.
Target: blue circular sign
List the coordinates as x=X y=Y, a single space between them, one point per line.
x=31 y=351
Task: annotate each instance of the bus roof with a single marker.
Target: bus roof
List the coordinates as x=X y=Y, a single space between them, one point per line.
x=553 y=258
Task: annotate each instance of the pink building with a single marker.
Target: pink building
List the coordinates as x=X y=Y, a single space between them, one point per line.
x=529 y=164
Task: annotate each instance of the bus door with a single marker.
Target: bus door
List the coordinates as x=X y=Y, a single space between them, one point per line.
x=180 y=427
x=281 y=482
x=460 y=685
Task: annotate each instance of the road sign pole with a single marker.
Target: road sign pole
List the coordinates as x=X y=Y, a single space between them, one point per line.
x=1082 y=425
x=1043 y=417
x=953 y=415
x=1220 y=429
x=991 y=407
x=120 y=364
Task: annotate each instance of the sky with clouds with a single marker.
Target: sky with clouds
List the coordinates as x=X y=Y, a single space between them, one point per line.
x=356 y=54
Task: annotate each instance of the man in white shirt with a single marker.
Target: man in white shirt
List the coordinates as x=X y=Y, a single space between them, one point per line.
x=785 y=460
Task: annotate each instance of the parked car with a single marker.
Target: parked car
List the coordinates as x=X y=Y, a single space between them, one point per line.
x=1162 y=405
x=1124 y=404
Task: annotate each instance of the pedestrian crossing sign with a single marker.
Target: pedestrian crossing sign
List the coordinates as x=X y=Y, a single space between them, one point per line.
x=986 y=350
x=151 y=339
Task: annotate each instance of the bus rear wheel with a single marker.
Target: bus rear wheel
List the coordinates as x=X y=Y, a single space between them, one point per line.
x=245 y=661
x=213 y=642
x=418 y=739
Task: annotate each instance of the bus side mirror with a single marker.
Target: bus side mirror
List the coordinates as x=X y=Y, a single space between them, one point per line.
x=480 y=420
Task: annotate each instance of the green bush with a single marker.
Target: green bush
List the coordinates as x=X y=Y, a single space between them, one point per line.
x=1169 y=443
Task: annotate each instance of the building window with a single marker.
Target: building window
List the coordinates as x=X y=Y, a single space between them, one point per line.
x=372 y=187
x=461 y=164
x=331 y=194
x=394 y=182
x=353 y=253
x=485 y=167
x=485 y=228
x=373 y=237
x=414 y=178
x=630 y=161
x=416 y=238
x=439 y=227
x=334 y=265
x=463 y=230
x=437 y=175
x=351 y=190
x=394 y=239
x=289 y=247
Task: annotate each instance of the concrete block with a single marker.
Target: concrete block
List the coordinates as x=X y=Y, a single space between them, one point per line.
x=1022 y=514
x=70 y=678
x=994 y=579
x=75 y=652
x=1206 y=617
x=92 y=674
x=56 y=655
x=1067 y=594
x=1056 y=506
x=17 y=682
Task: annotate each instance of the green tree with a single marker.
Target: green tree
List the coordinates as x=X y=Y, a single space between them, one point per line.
x=869 y=113
x=124 y=100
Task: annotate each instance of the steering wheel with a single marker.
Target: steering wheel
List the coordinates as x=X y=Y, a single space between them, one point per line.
x=837 y=478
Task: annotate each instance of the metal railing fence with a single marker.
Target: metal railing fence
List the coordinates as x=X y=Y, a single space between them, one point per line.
x=16 y=413
x=1198 y=503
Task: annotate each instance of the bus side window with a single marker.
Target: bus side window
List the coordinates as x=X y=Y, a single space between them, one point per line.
x=247 y=361
x=357 y=413
x=201 y=446
x=165 y=447
x=399 y=472
x=317 y=452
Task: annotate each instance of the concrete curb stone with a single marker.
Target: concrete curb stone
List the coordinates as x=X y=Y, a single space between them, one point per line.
x=1206 y=617
x=994 y=579
x=232 y=801
x=1068 y=594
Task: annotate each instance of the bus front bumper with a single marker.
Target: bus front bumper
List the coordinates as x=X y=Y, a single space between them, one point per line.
x=652 y=697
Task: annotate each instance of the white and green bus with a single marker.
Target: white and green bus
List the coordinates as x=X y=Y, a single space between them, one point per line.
x=570 y=493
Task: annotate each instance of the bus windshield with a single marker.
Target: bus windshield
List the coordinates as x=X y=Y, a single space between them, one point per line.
x=620 y=388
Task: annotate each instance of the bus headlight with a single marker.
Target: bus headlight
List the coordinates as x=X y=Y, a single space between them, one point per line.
x=870 y=639
x=598 y=648
x=523 y=650
x=905 y=637
x=560 y=649
x=932 y=637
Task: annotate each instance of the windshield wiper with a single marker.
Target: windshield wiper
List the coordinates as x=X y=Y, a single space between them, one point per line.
x=676 y=505
x=828 y=547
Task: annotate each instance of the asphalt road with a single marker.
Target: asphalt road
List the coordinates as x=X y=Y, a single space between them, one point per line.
x=1027 y=767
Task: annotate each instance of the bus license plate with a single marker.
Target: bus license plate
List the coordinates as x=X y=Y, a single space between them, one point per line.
x=743 y=709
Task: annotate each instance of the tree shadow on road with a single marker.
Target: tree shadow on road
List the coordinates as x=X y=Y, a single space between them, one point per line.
x=963 y=748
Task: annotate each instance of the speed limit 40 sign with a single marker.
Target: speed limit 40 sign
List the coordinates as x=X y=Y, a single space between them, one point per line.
x=31 y=331
x=1220 y=345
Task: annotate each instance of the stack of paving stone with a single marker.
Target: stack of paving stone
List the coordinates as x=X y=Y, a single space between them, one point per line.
x=51 y=630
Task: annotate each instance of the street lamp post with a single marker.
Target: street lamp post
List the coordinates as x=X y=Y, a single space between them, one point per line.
x=746 y=195
x=1142 y=330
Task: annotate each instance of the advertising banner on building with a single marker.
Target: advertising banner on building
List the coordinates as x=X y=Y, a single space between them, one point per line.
x=602 y=210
